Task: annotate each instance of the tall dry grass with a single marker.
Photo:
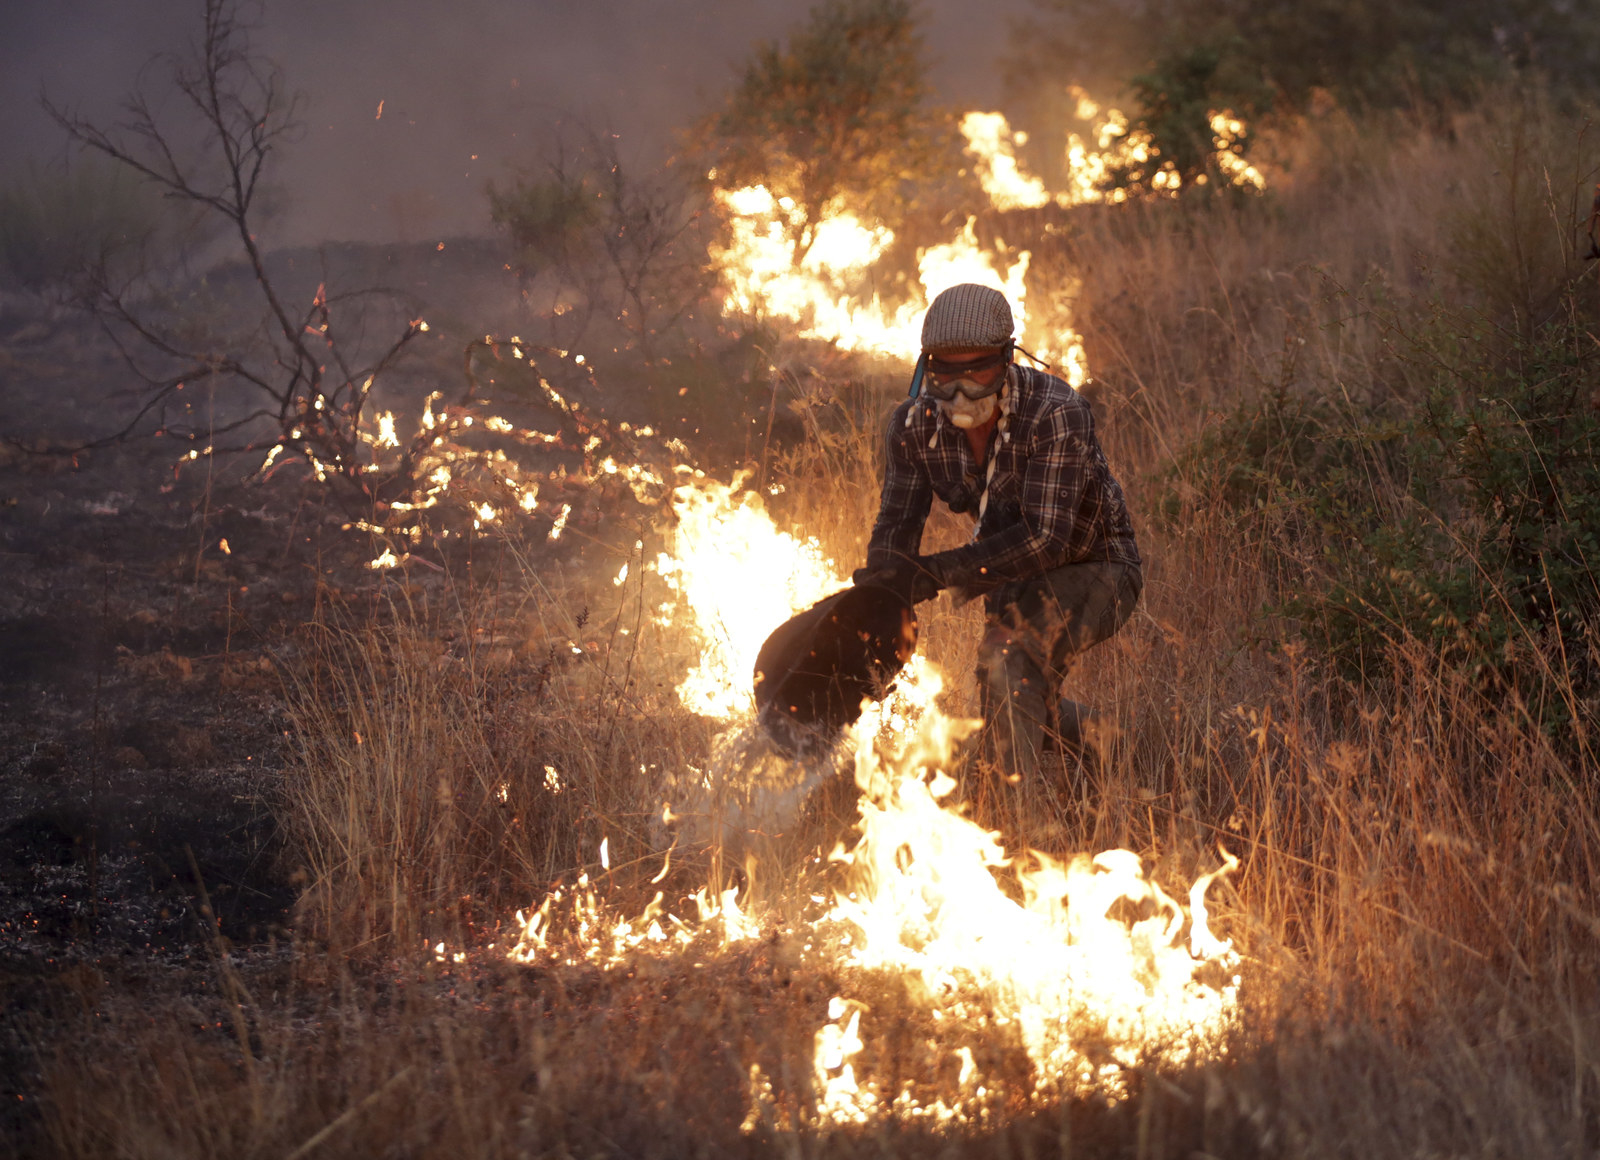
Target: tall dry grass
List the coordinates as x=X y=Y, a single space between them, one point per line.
x=455 y=759
x=1416 y=904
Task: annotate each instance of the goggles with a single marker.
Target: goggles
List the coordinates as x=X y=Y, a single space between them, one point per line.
x=944 y=380
x=971 y=388
x=945 y=368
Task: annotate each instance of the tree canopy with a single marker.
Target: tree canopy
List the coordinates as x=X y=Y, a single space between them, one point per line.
x=838 y=110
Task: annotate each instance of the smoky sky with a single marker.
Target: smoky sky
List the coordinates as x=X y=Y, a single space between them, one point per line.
x=470 y=89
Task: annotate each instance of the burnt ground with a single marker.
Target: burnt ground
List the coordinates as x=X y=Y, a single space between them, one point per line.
x=141 y=728
x=146 y=619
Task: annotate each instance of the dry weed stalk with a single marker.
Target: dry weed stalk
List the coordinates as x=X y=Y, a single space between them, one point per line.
x=451 y=768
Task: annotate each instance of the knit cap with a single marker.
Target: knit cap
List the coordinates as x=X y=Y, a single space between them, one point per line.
x=967 y=315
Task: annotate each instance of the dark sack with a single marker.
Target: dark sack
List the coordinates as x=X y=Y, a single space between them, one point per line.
x=814 y=670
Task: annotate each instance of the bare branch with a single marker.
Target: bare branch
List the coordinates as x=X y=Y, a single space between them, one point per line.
x=240 y=114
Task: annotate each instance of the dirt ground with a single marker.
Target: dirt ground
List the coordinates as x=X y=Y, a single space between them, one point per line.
x=146 y=618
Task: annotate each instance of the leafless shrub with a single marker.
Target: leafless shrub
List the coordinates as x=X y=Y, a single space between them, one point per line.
x=299 y=383
x=610 y=248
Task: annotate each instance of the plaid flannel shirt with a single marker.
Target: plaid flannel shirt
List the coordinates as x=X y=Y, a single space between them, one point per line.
x=1052 y=497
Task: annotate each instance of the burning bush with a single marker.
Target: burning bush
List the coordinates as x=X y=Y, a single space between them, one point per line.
x=836 y=118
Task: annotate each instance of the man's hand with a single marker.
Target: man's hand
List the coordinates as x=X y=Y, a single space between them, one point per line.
x=910 y=577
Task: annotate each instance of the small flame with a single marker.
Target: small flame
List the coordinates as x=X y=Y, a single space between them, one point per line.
x=561 y=523
x=841 y=1100
x=1226 y=132
x=386 y=435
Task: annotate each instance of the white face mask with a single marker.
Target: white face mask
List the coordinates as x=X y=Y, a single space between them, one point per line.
x=966 y=413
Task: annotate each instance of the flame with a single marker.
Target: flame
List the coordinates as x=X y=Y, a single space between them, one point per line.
x=990 y=139
x=739 y=577
x=592 y=937
x=1112 y=150
x=1226 y=132
x=926 y=902
x=561 y=523
x=827 y=290
x=821 y=290
x=1080 y=951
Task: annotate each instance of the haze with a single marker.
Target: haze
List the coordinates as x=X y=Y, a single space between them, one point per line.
x=468 y=90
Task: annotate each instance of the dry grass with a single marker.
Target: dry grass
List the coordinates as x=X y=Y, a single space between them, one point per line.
x=452 y=765
x=1416 y=903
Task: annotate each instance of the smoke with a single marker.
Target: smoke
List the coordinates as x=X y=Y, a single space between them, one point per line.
x=468 y=92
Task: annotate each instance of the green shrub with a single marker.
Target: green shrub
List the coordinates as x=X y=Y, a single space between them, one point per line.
x=58 y=227
x=1468 y=520
x=548 y=219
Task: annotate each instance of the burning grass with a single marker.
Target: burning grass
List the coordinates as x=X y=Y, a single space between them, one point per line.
x=1415 y=954
x=1409 y=921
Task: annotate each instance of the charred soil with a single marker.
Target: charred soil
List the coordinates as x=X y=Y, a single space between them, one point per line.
x=146 y=616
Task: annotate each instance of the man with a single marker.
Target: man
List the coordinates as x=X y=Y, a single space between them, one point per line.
x=1052 y=553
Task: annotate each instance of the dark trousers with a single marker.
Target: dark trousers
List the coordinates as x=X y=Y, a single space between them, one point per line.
x=1036 y=630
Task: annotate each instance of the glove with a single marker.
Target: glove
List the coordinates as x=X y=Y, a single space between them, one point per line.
x=908 y=577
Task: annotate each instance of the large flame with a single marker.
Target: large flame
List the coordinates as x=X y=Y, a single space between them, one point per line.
x=1112 y=164
x=990 y=140
x=826 y=290
x=1071 y=953
x=738 y=577
x=927 y=900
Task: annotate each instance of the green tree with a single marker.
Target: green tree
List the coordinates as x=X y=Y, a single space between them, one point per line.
x=1365 y=52
x=836 y=112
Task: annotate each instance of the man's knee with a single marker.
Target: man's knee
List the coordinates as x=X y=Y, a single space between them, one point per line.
x=1009 y=675
x=1092 y=602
